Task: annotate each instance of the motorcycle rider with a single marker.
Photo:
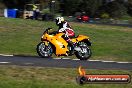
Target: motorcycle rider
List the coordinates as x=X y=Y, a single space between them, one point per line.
x=65 y=28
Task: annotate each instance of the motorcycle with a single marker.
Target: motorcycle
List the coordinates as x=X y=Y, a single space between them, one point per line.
x=83 y=18
x=54 y=42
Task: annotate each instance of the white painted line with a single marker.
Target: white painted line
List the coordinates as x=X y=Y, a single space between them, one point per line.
x=5 y=55
x=75 y=59
x=94 y=60
x=4 y=62
x=66 y=58
x=108 y=61
x=57 y=58
x=61 y=58
x=124 y=62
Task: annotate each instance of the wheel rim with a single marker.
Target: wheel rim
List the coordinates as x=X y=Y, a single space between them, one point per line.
x=45 y=50
x=85 y=51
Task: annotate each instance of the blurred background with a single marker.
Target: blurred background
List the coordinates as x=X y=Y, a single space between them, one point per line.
x=92 y=11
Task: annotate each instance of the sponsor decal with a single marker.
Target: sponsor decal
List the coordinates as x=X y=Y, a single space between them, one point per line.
x=84 y=78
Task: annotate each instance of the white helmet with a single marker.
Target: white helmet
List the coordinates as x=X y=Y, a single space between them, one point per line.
x=59 y=20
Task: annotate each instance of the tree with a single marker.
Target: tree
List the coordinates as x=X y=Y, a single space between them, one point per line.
x=91 y=6
x=130 y=1
x=116 y=9
x=71 y=6
x=19 y=4
x=88 y=6
x=14 y=3
x=129 y=6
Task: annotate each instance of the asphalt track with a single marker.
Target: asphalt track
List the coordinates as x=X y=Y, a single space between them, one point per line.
x=63 y=63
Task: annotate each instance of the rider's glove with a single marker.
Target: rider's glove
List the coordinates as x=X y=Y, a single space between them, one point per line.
x=61 y=30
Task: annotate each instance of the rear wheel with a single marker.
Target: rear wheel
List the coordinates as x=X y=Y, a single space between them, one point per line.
x=43 y=50
x=85 y=52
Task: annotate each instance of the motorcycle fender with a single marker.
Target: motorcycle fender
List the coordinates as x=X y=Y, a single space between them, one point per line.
x=87 y=42
x=80 y=38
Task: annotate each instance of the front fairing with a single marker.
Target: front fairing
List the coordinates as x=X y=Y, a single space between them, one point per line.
x=57 y=40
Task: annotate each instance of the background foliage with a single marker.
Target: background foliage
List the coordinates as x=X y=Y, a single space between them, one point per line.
x=93 y=8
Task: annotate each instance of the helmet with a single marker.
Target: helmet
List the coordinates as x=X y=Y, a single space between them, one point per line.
x=59 y=20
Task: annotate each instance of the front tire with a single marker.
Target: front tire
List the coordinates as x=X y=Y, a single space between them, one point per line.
x=85 y=52
x=44 y=51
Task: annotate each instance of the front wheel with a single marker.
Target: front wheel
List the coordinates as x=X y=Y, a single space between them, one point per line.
x=85 y=52
x=43 y=50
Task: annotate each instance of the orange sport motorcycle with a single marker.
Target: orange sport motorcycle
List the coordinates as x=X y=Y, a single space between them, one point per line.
x=54 y=42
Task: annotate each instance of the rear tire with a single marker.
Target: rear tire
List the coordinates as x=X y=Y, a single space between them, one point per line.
x=44 y=51
x=85 y=52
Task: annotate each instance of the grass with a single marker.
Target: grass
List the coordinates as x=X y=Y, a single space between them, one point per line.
x=39 y=77
x=19 y=36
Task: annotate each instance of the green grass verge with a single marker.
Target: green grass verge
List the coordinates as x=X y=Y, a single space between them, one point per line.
x=19 y=36
x=39 y=77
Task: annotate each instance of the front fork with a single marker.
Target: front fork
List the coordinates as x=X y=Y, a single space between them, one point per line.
x=81 y=47
x=74 y=47
x=46 y=43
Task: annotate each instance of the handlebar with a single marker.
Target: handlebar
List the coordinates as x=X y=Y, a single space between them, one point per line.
x=48 y=29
